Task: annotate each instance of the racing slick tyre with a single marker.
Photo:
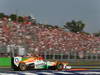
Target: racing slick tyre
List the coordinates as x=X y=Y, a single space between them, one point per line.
x=22 y=66
x=59 y=66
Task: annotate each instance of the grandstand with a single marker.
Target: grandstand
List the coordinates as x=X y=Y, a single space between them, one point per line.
x=46 y=40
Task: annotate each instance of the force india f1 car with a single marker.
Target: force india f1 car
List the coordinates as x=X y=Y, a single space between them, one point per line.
x=38 y=63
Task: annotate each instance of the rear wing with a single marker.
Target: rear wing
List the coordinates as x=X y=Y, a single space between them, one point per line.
x=17 y=60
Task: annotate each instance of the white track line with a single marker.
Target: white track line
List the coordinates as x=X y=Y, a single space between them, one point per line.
x=88 y=73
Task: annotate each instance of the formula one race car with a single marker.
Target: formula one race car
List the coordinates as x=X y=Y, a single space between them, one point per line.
x=38 y=63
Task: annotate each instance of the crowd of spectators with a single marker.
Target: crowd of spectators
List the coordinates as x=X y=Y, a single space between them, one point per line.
x=40 y=38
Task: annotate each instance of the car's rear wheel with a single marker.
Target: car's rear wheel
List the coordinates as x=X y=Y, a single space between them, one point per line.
x=22 y=66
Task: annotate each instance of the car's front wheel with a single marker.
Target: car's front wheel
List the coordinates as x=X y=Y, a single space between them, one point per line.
x=60 y=66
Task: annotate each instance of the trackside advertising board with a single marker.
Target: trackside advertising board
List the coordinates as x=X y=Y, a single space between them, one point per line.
x=6 y=61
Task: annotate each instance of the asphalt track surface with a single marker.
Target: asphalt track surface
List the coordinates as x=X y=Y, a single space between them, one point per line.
x=77 y=71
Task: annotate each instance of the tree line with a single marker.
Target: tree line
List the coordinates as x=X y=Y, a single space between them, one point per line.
x=15 y=17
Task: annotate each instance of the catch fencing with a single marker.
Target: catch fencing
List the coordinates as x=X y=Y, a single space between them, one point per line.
x=71 y=56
